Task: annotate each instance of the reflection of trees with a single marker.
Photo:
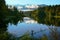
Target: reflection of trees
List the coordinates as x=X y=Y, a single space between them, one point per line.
x=48 y=15
x=3 y=23
x=3 y=27
x=14 y=16
x=41 y=15
x=53 y=33
x=27 y=36
x=7 y=15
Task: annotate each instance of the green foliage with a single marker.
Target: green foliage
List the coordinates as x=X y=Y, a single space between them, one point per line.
x=44 y=38
x=25 y=37
x=6 y=16
x=47 y=15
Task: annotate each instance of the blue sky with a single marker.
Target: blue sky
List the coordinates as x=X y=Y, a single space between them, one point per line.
x=23 y=2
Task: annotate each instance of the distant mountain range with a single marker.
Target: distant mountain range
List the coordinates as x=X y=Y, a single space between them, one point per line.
x=27 y=7
x=31 y=4
x=42 y=5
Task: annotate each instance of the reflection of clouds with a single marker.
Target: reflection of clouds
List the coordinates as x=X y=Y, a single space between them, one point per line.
x=22 y=27
x=28 y=20
x=27 y=10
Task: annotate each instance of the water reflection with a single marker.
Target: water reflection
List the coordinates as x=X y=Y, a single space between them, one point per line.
x=31 y=26
x=29 y=20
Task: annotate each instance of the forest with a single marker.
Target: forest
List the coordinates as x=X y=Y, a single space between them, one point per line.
x=49 y=15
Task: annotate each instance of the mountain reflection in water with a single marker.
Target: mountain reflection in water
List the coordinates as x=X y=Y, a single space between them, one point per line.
x=27 y=26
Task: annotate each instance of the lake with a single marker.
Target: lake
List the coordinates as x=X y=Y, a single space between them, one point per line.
x=28 y=25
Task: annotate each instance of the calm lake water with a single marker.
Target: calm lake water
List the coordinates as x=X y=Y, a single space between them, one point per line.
x=28 y=25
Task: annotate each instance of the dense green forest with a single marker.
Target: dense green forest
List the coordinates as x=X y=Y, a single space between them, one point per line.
x=7 y=16
x=47 y=15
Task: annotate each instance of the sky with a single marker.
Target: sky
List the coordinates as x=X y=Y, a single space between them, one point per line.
x=37 y=2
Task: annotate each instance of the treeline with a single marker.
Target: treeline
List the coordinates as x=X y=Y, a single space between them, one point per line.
x=14 y=15
x=47 y=15
x=8 y=16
